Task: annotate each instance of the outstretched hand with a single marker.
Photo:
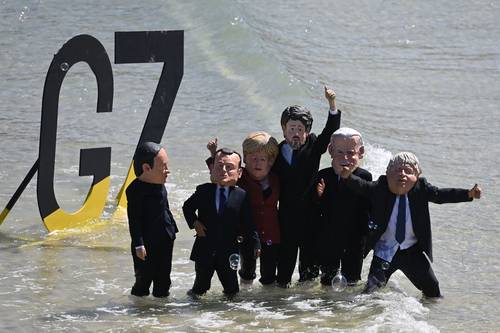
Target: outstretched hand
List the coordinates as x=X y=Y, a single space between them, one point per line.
x=320 y=188
x=475 y=192
x=330 y=95
x=212 y=146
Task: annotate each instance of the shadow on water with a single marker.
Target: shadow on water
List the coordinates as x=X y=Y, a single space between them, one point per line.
x=11 y=242
x=15 y=242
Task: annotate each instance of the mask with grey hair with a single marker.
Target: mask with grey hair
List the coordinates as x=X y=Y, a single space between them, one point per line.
x=405 y=158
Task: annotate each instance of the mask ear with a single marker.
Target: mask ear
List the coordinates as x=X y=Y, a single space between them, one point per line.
x=145 y=167
x=283 y=127
x=330 y=148
x=361 y=152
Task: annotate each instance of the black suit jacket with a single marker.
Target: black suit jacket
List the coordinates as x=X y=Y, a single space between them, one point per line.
x=382 y=202
x=344 y=214
x=222 y=230
x=295 y=180
x=149 y=216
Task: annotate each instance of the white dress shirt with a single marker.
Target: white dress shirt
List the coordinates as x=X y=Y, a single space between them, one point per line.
x=387 y=245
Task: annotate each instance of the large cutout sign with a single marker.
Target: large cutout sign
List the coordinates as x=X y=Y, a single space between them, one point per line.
x=130 y=47
x=146 y=47
x=93 y=162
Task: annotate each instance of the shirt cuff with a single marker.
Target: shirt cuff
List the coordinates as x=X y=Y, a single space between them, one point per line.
x=140 y=247
x=333 y=112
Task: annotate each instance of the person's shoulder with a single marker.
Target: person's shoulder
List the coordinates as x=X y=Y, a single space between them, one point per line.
x=423 y=180
x=326 y=172
x=239 y=190
x=381 y=181
x=363 y=173
x=205 y=187
x=422 y=183
x=311 y=139
x=133 y=187
x=280 y=145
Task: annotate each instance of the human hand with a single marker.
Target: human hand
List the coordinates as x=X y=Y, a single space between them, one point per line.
x=320 y=188
x=140 y=252
x=212 y=146
x=475 y=192
x=330 y=95
x=200 y=229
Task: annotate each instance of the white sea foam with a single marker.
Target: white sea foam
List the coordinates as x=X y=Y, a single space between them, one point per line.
x=375 y=159
x=261 y=311
x=399 y=313
x=211 y=320
x=308 y=304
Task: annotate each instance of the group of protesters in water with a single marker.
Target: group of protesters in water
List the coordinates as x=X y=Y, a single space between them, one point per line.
x=278 y=207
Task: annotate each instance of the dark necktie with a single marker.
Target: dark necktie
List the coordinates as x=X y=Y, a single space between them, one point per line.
x=222 y=200
x=401 y=220
x=294 y=157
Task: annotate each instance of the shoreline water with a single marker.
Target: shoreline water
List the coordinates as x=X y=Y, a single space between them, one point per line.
x=422 y=77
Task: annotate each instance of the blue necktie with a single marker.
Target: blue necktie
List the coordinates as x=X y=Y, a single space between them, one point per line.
x=222 y=200
x=401 y=220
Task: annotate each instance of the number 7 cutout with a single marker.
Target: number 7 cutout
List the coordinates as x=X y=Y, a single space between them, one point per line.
x=147 y=47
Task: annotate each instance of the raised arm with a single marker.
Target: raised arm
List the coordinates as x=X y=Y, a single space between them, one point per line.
x=212 y=148
x=332 y=123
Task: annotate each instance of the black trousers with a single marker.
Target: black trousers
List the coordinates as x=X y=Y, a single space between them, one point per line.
x=413 y=263
x=291 y=242
x=248 y=261
x=349 y=259
x=308 y=255
x=155 y=269
x=268 y=263
x=205 y=272
x=289 y=248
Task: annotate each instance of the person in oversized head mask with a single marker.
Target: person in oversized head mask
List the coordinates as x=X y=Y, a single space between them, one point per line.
x=296 y=165
x=343 y=214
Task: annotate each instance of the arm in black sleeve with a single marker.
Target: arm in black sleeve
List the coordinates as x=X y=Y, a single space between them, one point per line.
x=360 y=186
x=332 y=124
x=210 y=163
x=365 y=206
x=445 y=195
x=135 y=216
x=311 y=194
x=190 y=207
